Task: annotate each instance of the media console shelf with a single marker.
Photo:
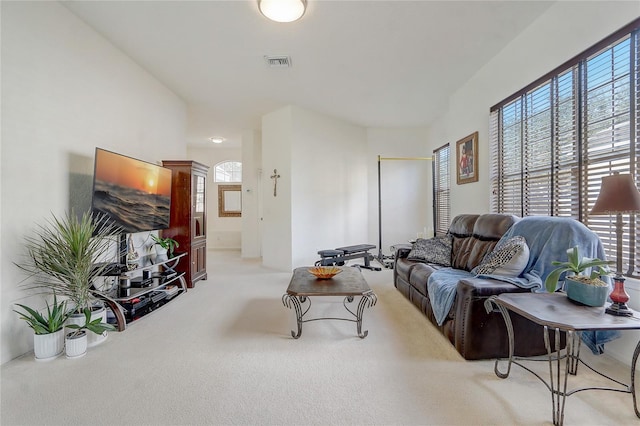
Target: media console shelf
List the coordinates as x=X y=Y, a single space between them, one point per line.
x=132 y=303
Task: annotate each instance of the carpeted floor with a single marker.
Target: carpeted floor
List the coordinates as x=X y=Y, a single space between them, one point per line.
x=222 y=354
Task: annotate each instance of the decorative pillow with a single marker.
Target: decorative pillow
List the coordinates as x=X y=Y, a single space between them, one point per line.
x=433 y=250
x=508 y=259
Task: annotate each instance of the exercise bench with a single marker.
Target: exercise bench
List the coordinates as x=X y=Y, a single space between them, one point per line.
x=341 y=254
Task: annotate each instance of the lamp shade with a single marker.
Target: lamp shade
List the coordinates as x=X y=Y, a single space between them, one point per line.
x=282 y=10
x=618 y=194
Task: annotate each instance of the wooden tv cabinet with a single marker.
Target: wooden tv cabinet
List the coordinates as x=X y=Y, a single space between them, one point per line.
x=188 y=225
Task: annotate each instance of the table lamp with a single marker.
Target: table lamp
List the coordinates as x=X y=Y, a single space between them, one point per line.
x=618 y=195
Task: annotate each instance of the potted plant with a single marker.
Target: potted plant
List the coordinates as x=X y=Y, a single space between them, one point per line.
x=76 y=341
x=63 y=258
x=586 y=289
x=165 y=244
x=48 y=329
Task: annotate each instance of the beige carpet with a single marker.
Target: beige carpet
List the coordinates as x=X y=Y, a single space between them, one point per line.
x=222 y=354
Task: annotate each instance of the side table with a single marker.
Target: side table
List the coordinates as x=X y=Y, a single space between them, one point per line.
x=556 y=312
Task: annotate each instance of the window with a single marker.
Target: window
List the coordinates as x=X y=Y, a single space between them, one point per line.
x=228 y=171
x=441 y=203
x=552 y=142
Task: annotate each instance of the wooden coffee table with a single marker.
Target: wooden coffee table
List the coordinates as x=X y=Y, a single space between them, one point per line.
x=349 y=283
x=555 y=312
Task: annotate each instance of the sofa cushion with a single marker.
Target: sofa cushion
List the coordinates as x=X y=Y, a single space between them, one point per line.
x=404 y=267
x=509 y=258
x=471 y=245
x=420 y=275
x=433 y=250
x=461 y=231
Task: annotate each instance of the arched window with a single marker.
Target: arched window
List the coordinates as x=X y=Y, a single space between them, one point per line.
x=228 y=171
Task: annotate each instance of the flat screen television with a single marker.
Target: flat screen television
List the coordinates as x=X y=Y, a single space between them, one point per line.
x=135 y=194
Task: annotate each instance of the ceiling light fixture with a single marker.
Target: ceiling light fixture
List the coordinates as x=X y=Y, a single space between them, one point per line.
x=216 y=139
x=282 y=10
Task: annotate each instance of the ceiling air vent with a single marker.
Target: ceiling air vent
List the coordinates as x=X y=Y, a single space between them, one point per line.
x=278 y=61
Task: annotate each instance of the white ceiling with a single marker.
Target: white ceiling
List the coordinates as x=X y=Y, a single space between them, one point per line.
x=373 y=63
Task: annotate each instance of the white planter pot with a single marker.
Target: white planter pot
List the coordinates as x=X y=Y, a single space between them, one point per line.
x=93 y=339
x=76 y=347
x=161 y=254
x=48 y=346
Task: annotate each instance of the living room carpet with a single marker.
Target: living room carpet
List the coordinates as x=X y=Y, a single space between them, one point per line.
x=222 y=354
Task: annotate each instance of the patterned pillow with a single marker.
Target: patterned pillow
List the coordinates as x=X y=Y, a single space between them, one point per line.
x=433 y=250
x=508 y=259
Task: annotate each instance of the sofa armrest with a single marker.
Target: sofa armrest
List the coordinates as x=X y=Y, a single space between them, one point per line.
x=487 y=287
x=402 y=250
x=480 y=335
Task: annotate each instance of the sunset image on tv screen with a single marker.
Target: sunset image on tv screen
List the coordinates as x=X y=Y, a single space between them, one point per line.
x=134 y=193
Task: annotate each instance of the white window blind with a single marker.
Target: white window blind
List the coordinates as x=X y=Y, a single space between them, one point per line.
x=552 y=142
x=608 y=96
x=441 y=190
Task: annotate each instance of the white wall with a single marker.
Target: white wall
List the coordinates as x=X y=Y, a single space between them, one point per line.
x=66 y=90
x=222 y=232
x=277 y=143
x=322 y=190
x=251 y=194
x=328 y=185
x=405 y=185
x=564 y=31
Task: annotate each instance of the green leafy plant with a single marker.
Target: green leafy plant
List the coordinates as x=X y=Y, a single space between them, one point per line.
x=577 y=265
x=96 y=326
x=53 y=321
x=166 y=243
x=63 y=256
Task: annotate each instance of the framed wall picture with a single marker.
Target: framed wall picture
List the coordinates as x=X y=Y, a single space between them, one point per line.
x=229 y=200
x=467 y=159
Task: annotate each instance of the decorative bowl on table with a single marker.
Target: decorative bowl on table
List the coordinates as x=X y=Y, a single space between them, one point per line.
x=325 y=272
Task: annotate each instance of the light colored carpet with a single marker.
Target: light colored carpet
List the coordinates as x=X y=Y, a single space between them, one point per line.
x=222 y=354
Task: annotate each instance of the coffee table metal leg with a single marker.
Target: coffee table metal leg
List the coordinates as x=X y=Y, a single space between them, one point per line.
x=368 y=300
x=292 y=302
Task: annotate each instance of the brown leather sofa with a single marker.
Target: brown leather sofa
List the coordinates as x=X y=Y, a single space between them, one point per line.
x=475 y=333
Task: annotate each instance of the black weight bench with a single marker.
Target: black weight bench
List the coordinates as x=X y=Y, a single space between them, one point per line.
x=341 y=254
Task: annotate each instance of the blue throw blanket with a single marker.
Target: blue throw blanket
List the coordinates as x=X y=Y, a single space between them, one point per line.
x=441 y=287
x=548 y=239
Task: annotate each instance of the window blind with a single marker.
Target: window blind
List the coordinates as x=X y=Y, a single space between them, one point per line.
x=441 y=190
x=608 y=89
x=553 y=141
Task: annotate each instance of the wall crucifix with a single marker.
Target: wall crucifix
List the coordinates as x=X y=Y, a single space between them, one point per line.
x=275 y=177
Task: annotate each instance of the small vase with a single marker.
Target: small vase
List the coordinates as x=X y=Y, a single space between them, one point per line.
x=48 y=346
x=619 y=294
x=76 y=345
